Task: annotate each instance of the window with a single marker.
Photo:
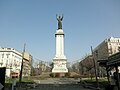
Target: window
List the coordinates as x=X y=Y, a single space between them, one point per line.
x=9 y=48
x=7 y=55
x=114 y=51
x=119 y=49
x=96 y=52
x=3 y=55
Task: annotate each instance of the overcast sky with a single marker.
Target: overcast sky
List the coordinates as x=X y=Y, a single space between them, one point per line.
x=86 y=23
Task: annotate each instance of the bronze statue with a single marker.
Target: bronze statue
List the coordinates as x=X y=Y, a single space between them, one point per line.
x=59 y=18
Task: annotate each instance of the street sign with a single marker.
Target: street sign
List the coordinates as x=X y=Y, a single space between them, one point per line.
x=1 y=86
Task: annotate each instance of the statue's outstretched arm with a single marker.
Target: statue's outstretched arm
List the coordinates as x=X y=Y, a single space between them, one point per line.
x=62 y=18
x=56 y=16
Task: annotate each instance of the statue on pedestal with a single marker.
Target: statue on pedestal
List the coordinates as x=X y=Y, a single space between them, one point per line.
x=59 y=18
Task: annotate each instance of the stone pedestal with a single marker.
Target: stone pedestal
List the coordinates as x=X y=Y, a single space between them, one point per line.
x=59 y=66
x=60 y=60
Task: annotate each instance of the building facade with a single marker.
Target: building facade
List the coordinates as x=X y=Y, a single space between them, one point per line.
x=107 y=48
x=27 y=64
x=12 y=60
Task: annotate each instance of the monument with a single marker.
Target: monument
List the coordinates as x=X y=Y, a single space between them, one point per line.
x=60 y=60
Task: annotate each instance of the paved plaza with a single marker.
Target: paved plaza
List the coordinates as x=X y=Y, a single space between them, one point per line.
x=51 y=84
x=59 y=87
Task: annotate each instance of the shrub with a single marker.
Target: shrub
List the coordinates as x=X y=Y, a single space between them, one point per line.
x=57 y=75
x=67 y=74
x=51 y=75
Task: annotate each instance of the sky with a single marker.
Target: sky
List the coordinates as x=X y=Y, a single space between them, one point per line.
x=86 y=23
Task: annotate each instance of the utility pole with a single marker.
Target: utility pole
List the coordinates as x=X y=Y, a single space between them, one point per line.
x=95 y=66
x=20 y=77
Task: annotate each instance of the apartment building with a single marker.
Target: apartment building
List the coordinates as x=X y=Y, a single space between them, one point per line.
x=12 y=60
x=27 y=64
x=107 y=48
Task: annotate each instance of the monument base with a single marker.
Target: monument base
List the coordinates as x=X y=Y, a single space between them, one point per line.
x=59 y=74
x=59 y=66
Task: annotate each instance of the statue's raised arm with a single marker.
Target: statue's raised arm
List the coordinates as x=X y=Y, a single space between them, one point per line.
x=62 y=18
x=59 y=18
x=56 y=16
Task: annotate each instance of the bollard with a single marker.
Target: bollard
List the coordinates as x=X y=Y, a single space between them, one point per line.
x=13 y=84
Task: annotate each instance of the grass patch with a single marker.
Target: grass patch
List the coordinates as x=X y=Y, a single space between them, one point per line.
x=102 y=82
x=10 y=80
